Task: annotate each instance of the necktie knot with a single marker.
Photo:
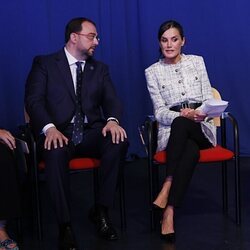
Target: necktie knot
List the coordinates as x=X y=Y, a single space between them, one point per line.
x=79 y=65
x=79 y=70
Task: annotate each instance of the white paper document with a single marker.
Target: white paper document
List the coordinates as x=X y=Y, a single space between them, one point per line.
x=214 y=107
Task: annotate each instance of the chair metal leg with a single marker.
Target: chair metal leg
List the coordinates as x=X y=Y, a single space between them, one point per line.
x=96 y=184
x=122 y=201
x=150 y=181
x=224 y=188
x=236 y=160
x=38 y=212
x=36 y=195
x=237 y=192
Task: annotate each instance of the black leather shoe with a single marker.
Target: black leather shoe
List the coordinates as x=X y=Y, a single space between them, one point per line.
x=99 y=216
x=169 y=238
x=66 y=239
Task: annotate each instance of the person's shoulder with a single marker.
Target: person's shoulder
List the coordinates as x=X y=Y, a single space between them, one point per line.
x=153 y=66
x=96 y=63
x=193 y=57
x=196 y=59
x=49 y=56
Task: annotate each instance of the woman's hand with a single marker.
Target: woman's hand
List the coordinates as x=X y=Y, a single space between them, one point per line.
x=193 y=114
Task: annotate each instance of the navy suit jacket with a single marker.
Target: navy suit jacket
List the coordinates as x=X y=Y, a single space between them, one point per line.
x=50 y=95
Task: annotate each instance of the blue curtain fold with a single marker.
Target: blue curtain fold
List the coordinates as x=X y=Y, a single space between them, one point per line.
x=217 y=30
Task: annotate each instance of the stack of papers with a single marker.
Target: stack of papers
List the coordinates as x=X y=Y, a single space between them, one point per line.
x=213 y=107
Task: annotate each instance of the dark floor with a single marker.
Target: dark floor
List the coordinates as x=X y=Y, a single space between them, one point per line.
x=200 y=224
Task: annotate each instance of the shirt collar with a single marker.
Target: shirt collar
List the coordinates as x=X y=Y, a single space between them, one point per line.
x=71 y=60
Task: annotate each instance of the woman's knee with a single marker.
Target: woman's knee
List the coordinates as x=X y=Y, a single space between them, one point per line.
x=181 y=122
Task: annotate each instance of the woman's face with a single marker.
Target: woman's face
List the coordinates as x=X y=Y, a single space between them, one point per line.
x=170 y=44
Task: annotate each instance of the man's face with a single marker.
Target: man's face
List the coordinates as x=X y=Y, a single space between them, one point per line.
x=87 y=39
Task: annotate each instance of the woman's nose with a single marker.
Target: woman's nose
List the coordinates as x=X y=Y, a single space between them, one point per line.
x=169 y=44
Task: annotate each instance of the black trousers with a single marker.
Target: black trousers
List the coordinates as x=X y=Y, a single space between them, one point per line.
x=94 y=144
x=9 y=188
x=185 y=141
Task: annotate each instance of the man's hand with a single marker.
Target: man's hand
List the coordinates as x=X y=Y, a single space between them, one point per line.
x=54 y=137
x=192 y=114
x=8 y=138
x=117 y=132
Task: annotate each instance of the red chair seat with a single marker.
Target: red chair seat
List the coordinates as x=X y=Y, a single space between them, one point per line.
x=78 y=164
x=214 y=154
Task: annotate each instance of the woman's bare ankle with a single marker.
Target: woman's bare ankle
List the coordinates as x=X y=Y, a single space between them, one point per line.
x=160 y=201
x=167 y=226
x=162 y=198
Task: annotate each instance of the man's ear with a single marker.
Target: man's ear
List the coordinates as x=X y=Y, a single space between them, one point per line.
x=73 y=37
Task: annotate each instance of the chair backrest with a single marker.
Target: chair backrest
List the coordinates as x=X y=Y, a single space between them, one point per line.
x=148 y=134
x=216 y=95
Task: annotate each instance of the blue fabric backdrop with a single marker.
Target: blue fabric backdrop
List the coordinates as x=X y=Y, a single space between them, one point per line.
x=217 y=30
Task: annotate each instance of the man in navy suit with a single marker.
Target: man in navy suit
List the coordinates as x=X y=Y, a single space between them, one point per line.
x=51 y=102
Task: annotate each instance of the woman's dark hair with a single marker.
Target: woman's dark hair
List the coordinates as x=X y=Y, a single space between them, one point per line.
x=75 y=25
x=170 y=24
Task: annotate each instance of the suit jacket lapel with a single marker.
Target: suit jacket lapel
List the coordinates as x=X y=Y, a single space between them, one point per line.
x=89 y=69
x=63 y=65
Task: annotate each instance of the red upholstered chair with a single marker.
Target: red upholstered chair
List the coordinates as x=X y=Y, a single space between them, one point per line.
x=220 y=153
x=75 y=165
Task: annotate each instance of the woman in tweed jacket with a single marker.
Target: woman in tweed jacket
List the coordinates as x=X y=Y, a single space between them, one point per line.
x=178 y=85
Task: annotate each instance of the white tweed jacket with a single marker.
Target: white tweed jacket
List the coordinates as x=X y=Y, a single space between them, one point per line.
x=171 y=84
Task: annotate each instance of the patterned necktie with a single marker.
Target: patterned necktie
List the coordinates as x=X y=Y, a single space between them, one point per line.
x=77 y=134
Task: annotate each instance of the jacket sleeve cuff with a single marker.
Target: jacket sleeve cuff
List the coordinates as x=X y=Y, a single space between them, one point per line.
x=113 y=119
